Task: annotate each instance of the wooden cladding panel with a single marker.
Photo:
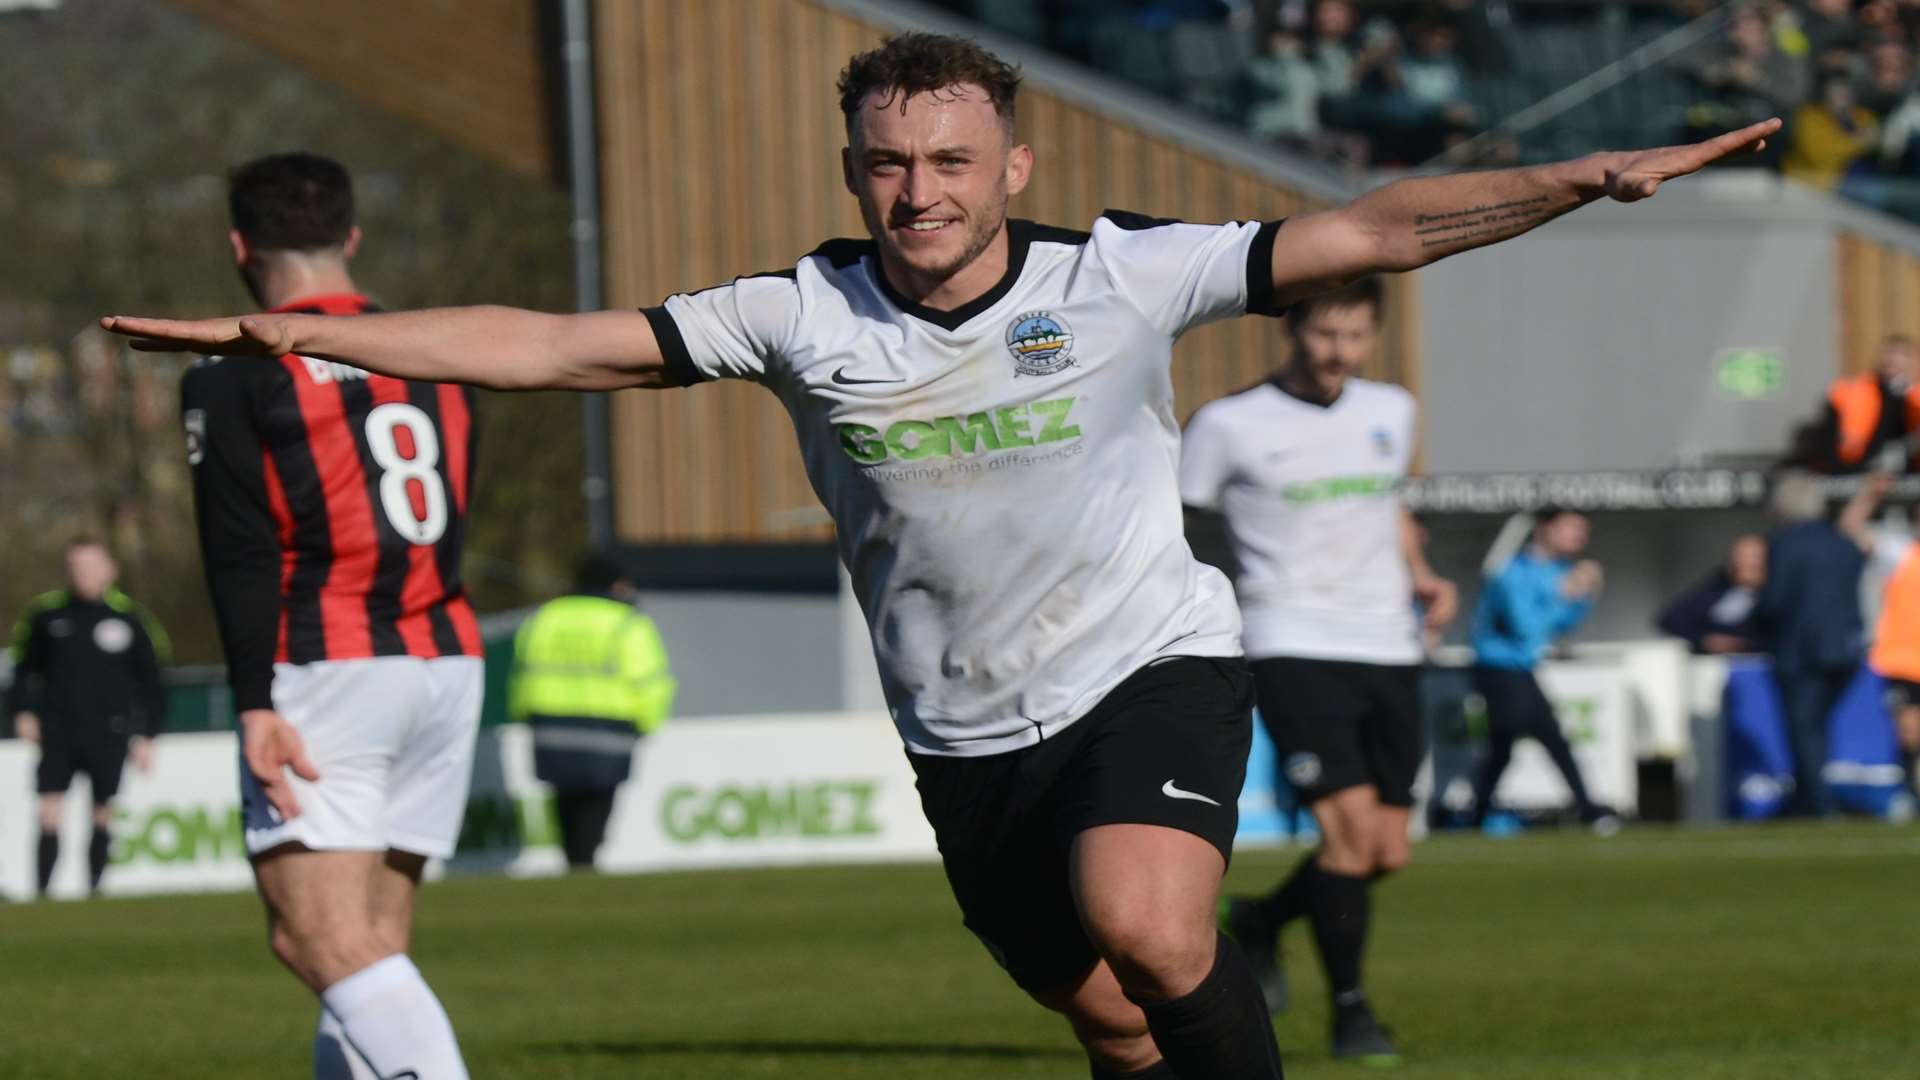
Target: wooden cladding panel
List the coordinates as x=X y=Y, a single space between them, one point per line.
x=1878 y=288
x=470 y=69
x=721 y=134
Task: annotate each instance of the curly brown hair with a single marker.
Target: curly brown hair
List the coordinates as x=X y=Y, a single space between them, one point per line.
x=920 y=63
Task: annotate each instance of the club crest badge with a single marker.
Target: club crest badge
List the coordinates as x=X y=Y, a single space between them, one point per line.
x=1302 y=770
x=1041 y=344
x=113 y=635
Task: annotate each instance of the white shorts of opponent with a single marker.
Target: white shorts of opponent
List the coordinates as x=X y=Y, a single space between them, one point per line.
x=392 y=737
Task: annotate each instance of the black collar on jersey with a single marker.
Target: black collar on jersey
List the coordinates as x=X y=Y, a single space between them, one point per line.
x=1277 y=381
x=1020 y=235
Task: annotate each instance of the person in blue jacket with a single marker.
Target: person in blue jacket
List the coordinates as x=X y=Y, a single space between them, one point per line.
x=1539 y=596
x=1720 y=616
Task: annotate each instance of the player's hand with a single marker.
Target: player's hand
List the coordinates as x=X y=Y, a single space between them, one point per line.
x=140 y=753
x=1633 y=175
x=248 y=335
x=271 y=746
x=27 y=726
x=1584 y=580
x=1439 y=597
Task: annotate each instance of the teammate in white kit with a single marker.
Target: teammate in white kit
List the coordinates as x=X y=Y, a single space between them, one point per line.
x=985 y=407
x=1306 y=468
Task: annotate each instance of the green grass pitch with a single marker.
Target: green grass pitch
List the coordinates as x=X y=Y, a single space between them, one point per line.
x=1788 y=952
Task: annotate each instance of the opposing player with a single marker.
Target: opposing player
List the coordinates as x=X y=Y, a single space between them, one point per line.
x=1305 y=468
x=985 y=409
x=331 y=505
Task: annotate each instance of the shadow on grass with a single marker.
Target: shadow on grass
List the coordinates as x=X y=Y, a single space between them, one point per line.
x=794 y=1048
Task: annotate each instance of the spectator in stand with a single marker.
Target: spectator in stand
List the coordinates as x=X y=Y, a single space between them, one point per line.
x=1285 y=92
x=1745 y=78
x=1828 y=24
x=1900 y=138
x=1809 y=619
x=1436 y=82
x=1539 y=596
x=1382 y=106
x=1880 y=19
x=1889 y=78
x=1716 y=617
x=1330 y=47
x=1826 y=137
x=1871 y=418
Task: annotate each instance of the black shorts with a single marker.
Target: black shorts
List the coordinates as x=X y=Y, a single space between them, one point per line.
x=102 y=757
x=1166 y=747
x=1338 y=724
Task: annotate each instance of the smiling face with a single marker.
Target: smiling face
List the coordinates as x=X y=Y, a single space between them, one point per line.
x=933 y=174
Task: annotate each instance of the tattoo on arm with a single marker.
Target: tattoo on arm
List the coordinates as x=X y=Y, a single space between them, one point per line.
x=1483 y=223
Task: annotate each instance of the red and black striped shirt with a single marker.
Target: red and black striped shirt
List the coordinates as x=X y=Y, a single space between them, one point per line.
x=332 y=508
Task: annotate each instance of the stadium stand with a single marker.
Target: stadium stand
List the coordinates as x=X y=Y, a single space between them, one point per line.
x=1396 y=85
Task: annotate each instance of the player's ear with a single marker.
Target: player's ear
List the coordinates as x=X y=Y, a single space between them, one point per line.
x=1019 y=168
x=240 y=248
x=846 y=170
x=352 y=246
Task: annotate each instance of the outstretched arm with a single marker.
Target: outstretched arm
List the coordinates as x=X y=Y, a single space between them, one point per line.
x=1411 y=223
x=496 y=347
x=1856 y=518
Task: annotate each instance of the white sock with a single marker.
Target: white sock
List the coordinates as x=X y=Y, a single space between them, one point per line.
x=334 y=1058
x=390 y=1015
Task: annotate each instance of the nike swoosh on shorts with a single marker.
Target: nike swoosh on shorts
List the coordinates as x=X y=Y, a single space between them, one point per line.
x=1170 y=791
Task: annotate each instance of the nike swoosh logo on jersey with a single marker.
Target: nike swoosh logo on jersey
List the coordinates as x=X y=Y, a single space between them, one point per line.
x=840 y=376
x=1170 y=791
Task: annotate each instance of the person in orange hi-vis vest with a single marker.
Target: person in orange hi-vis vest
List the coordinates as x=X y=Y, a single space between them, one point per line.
x=1862 y=433
x=1896 y=640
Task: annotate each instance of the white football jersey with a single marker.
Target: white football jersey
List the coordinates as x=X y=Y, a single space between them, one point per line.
x=1309 y=494
x=1003 y=477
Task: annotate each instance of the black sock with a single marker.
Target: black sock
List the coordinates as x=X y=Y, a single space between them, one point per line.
x=49 y=854
x=1160 y=1070
x=1908 y=760
x=1294 y=898
x=1340 y=910
x=97 y=851
x=1220 y=1031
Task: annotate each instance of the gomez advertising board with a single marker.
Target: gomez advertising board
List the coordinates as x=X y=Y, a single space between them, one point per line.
x=731 y=792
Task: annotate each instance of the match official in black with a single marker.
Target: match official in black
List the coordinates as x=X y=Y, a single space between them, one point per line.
x=86 y=687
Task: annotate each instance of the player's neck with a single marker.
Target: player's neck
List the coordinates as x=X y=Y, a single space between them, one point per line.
x=958 y=289
x=291 y=278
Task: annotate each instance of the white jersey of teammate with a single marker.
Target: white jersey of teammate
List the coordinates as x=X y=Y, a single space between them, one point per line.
x=1309 y=493
x=1003 y=477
